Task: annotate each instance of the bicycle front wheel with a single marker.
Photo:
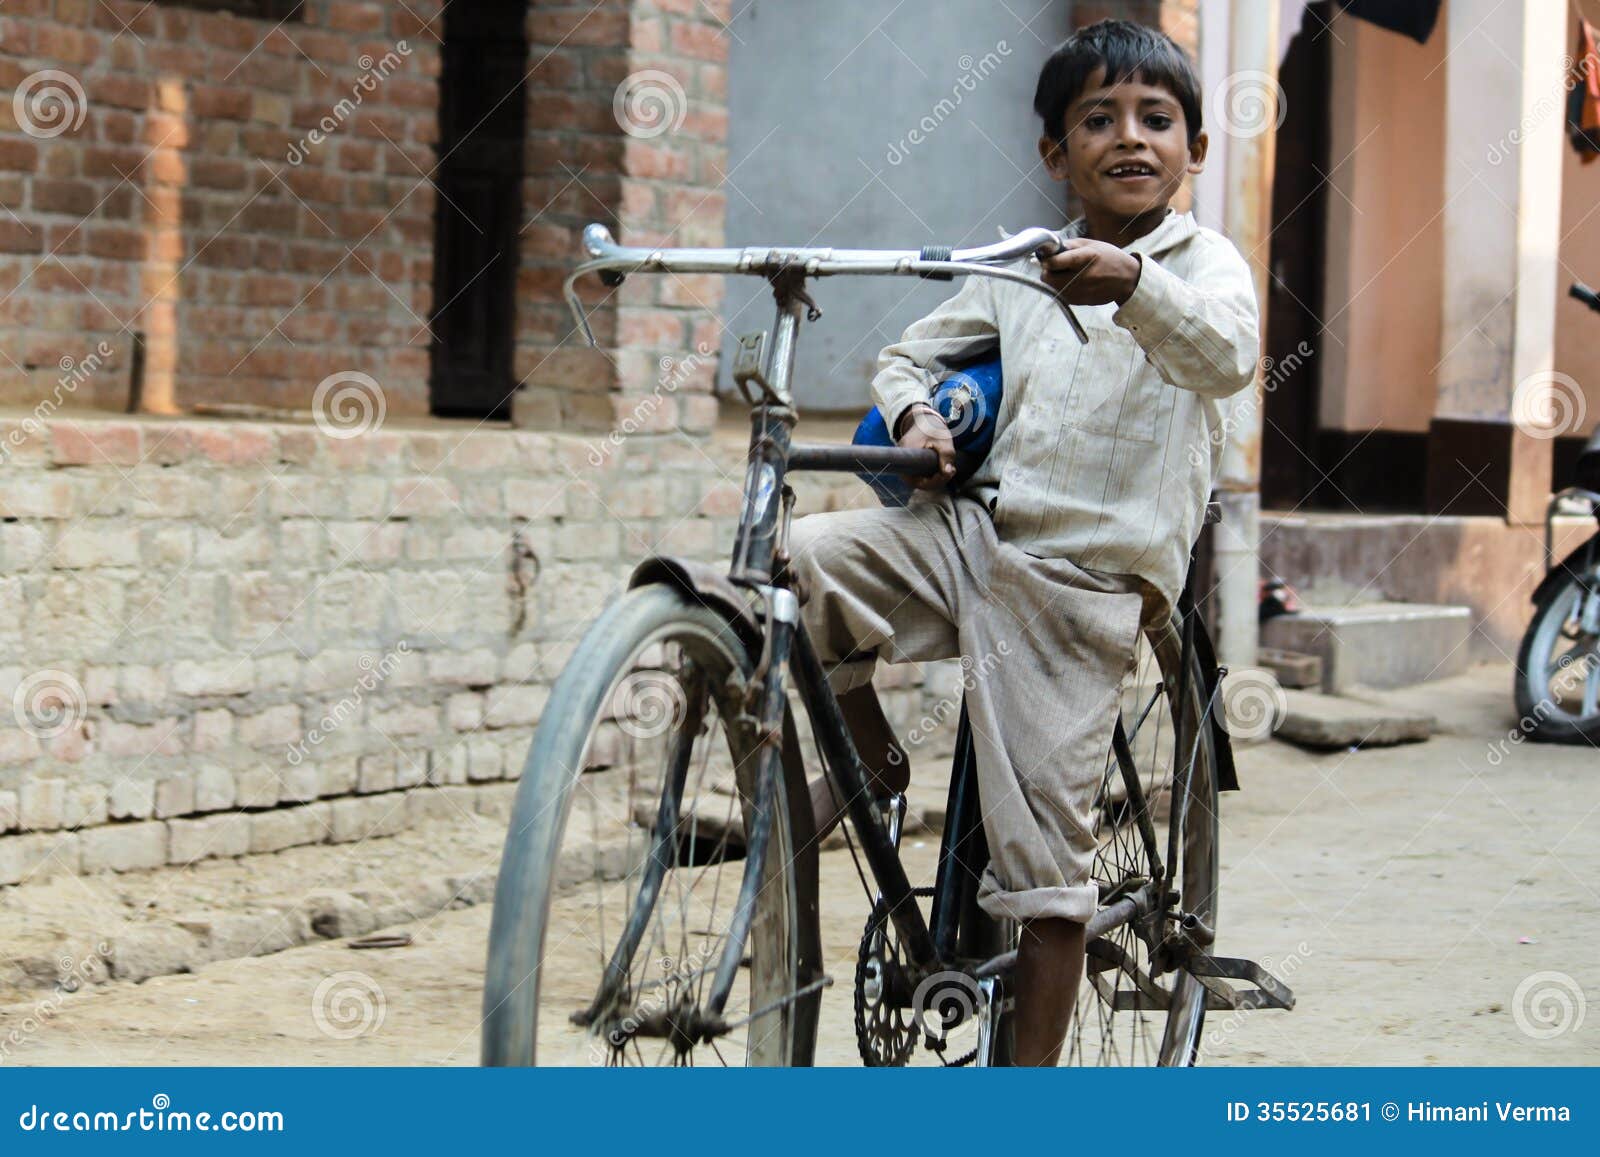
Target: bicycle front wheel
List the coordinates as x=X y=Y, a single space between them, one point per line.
x=623 y=866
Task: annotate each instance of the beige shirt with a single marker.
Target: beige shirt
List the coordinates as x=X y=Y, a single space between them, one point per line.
x=1105 y=453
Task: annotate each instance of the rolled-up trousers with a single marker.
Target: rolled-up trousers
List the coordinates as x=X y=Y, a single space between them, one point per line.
x=1044 y=645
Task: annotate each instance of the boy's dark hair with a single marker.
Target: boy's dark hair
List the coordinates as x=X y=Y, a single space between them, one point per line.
x=1126 y=51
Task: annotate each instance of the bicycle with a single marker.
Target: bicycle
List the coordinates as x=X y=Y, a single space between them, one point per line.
x=622 y=810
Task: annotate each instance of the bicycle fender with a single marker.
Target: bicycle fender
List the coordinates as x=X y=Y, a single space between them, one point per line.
x=1570 y=568
x=706 y=584
x=1227 y=772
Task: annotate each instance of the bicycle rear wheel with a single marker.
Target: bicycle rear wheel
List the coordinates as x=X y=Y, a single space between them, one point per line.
x=626 y=854
x=1130 y=1011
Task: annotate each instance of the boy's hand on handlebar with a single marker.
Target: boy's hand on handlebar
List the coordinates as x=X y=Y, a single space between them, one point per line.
x=1085 y=272
x=926 y=429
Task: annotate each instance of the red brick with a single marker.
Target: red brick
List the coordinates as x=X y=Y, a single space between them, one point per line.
x=117 y=244
x=654 y=161
x=347 y=17
x=18 y=237
x=577 y=27
x=217 y=173
x=213 y=103
x=18 y=156
x=128 y=16
x=226 y=31
x=120 y=91
x=700 y=42
x=118 y=128
x=65 y=46
x=79 y=198
x=95 y=443
x=652 y=329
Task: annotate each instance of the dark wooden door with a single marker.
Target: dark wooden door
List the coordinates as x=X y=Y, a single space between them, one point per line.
x=482 y=123
x=1289 y=435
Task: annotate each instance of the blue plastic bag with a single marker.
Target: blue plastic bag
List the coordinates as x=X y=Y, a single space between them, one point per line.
x=969 y=400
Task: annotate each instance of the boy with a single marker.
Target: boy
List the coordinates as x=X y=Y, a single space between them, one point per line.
x=1078 y=526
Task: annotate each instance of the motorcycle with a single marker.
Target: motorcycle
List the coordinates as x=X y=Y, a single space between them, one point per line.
x=1558 y=665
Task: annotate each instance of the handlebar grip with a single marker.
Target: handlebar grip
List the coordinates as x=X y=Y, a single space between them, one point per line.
x=1586 y=295
x=936 y=253
x=879 y=459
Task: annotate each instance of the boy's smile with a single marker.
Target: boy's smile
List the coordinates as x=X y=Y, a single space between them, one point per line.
x=1125 y=151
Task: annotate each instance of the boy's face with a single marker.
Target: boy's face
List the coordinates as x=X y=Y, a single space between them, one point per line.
x=1126 y=149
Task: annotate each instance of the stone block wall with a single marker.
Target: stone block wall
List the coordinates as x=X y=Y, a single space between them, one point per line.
x=225 y=638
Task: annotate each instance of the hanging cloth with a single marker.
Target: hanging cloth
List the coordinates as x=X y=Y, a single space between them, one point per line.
x=1583 y=101
x=1413 y=18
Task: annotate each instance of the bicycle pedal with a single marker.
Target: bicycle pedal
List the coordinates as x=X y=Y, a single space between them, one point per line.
x=1213 y=971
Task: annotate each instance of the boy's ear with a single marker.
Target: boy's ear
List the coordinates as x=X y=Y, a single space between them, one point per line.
x=1197 y=152
x=1054 y=155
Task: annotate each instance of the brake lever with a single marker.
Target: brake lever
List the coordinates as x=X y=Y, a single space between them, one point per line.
x=1072 y=319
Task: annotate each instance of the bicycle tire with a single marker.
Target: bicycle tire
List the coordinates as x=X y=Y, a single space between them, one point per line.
x=784 y=945
x=1196 y=880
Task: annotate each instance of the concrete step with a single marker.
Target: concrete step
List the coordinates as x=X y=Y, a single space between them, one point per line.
x=1332 y=721
x=1376 y=644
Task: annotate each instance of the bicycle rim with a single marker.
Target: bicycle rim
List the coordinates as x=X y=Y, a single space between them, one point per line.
x=567 y=983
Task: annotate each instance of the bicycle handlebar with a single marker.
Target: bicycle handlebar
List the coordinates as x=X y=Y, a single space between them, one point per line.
x=614 y=262
x=1586 y=295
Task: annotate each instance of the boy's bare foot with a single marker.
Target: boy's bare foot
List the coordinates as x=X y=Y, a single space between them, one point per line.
x=885 y=760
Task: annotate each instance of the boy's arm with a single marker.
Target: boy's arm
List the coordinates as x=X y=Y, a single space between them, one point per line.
x=963 y=325
x=1203 y=334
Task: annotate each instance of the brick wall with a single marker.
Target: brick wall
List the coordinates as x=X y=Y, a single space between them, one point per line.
x=165 y=182
x=169 y=184
x=627 y=110
x=226 y=638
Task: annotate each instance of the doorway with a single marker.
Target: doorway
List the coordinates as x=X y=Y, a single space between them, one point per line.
x=1290 y=435
x=477 y=223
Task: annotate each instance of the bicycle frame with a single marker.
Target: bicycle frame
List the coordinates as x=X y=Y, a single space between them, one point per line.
x=763 y=371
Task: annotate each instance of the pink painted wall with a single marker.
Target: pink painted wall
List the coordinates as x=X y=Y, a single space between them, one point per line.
x=1577 y=327
x=1385 y=235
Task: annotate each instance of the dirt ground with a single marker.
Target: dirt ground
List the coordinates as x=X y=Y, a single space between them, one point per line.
x=1430 y=904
